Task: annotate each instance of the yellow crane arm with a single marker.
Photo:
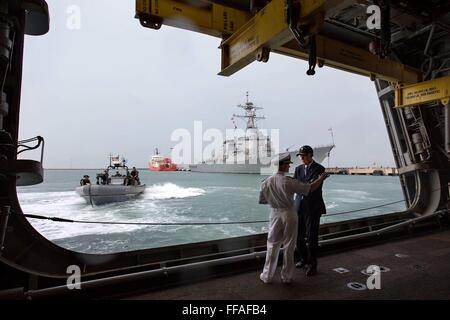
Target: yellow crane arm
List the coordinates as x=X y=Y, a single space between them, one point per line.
x=248 y=37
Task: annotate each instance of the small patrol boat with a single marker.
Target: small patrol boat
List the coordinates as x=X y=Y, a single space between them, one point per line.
x=122 y=185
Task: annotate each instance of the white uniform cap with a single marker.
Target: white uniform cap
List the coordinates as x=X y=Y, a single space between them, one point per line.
x=282 y=157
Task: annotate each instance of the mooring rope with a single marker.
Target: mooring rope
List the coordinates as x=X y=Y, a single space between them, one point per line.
x=57 y=219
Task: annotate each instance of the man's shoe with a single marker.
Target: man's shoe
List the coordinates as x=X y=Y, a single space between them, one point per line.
x=264 y=280
x=300 y=264
x=310 y=271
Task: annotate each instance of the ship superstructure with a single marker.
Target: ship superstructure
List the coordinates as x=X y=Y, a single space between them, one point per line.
x=251 y=149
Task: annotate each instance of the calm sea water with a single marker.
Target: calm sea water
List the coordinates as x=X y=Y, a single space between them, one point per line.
x=183 y=197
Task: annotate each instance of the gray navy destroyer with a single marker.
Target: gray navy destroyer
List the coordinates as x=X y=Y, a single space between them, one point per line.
x=251 y=150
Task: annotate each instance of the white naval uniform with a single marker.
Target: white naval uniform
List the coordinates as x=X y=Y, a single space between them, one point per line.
x=278 y=191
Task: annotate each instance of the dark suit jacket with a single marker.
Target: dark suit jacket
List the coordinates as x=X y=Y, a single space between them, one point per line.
x=312 y=203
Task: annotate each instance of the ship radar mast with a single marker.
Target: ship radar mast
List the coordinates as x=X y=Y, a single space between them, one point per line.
x=250 y=114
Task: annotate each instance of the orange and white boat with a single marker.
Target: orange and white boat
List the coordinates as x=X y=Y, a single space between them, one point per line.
x=160 y=163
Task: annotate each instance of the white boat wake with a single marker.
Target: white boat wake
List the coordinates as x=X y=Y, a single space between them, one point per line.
x=171 y=191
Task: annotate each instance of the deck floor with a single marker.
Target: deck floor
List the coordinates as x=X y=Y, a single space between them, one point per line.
x=419 y=269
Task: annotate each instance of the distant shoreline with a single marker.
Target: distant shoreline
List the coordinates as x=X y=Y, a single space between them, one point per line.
x=73 y=169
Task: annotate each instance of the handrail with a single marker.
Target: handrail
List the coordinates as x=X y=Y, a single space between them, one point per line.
x=165 y=271
x=22 y=144
x=379 y=232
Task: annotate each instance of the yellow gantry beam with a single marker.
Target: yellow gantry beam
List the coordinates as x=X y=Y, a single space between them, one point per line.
x=246 y=36
x=345 y=57
x=423 y=92
x=269 y=30
x=212 y=19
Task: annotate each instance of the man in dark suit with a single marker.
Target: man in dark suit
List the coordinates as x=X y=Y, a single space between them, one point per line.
x=309 y=209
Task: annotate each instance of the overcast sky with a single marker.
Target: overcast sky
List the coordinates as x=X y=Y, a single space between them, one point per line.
x=115 y=87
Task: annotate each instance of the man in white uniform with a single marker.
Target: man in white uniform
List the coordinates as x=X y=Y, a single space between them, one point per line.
x=278 y=191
